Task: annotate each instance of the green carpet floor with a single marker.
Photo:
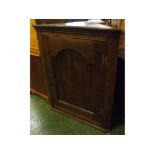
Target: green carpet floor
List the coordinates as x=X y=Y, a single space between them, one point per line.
x=45 y=121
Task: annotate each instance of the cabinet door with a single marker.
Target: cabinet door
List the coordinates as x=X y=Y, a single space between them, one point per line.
x=76 y=70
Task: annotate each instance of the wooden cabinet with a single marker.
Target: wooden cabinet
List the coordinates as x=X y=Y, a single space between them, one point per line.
x=80 y=67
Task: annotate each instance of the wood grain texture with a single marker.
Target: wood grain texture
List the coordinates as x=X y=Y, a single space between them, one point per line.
x=37 y=79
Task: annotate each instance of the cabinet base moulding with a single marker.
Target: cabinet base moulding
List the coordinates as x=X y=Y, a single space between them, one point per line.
x=39 y=93
x=72 y=115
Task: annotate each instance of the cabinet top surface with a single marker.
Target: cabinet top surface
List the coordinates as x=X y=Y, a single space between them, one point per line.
x=76 y=26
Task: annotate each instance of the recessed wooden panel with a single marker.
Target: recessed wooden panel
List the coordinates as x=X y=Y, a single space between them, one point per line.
x=73 y=77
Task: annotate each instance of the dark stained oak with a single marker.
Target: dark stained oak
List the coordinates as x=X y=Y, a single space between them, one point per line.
x=79 y=61
x=37 y=78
